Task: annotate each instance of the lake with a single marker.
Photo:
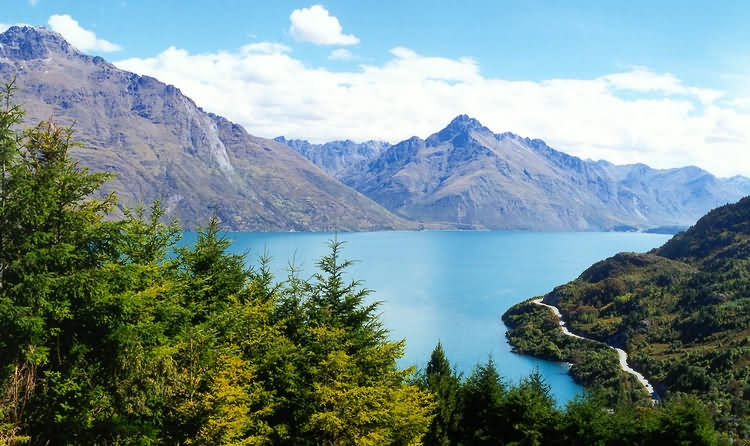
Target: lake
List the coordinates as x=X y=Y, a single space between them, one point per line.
x=453 y=286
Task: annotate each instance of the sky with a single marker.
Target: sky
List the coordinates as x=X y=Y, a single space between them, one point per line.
x=663 y=83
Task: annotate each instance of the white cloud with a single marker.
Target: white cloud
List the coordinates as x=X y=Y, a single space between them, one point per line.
x=741 y=103
x=316 y=25
x=341 y=54
x=640 y=79
x=660 y=121
x=79 y=37
x=266 y=48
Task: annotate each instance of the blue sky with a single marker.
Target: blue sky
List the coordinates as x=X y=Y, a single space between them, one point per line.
x=535 y=40
x=666 y=83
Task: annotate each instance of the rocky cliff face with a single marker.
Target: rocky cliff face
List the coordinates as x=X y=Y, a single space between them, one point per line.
x=160 y=144
x=468 y=176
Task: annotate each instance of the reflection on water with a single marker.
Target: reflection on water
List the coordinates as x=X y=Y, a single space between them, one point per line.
x=453 y=286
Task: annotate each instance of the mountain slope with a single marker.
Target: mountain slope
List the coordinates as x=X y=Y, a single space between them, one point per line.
x=161 y=145
x=740 y=182
x=681 y=311
x=338 y=158
x=468 y=176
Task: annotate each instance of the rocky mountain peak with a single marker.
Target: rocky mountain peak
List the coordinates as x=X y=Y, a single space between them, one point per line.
x=465 y=123
x=29 y=42
x=458 y=130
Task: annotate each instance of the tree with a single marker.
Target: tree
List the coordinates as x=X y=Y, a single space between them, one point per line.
x=210 y=271
x=77 y=297
x=482 y=399
x=684 y=420
x=444 y=383
x=16 y=392
x=358 y=394
x=55 y=243
x=586 y=421
x=530 y=412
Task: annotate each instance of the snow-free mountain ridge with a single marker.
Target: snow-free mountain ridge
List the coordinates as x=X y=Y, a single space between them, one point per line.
x=467 y=176
x=161 y=145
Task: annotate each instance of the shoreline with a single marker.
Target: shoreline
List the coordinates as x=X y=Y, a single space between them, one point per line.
x=621 y=354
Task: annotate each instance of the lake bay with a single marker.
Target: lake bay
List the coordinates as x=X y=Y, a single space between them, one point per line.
x=453 y=286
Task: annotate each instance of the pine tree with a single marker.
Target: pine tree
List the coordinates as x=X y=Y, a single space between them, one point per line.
x=482 y=399
x=358 y=396
x=443 y=382
x=211 y=272
x=18 y=391
x=529 y=412
x=55 y=244
x=586 y=421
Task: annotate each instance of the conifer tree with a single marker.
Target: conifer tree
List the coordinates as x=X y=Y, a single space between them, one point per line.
x=529 y=412
x=443 y=382
x=55 y=243
x=359 y=395
x=213 y=274
x=482 y=397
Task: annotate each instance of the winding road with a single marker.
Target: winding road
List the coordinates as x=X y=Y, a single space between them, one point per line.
x=620 y=352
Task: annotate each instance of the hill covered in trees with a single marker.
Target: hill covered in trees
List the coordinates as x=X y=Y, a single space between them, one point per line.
x=682 y=312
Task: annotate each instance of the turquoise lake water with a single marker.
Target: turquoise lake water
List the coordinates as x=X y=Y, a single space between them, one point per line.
x=453 y=286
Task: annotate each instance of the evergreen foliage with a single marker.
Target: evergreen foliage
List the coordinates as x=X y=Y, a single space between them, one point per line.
x=482 y=398
x=110 y=333
x=492 y=412
x=444 y=384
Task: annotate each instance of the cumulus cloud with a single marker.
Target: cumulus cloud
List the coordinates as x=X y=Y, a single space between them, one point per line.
x=316 y=25
x=79 y=37
x=640 y=79
x=633 y=116
x=341 y=54
x=741 y=103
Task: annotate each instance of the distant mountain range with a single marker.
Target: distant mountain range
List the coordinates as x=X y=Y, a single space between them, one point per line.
x=338 y=158
x=160 y=144
x=467 y=176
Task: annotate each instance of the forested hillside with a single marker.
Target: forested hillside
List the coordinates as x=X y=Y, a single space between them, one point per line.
x=682 y=312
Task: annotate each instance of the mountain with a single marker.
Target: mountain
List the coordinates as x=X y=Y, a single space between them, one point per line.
x=338 y=158
x=682 y=312
x=467 y=176
x=740 y=182
x=160 y=144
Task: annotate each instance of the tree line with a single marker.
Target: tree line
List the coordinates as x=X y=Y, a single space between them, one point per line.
x=484 y=409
